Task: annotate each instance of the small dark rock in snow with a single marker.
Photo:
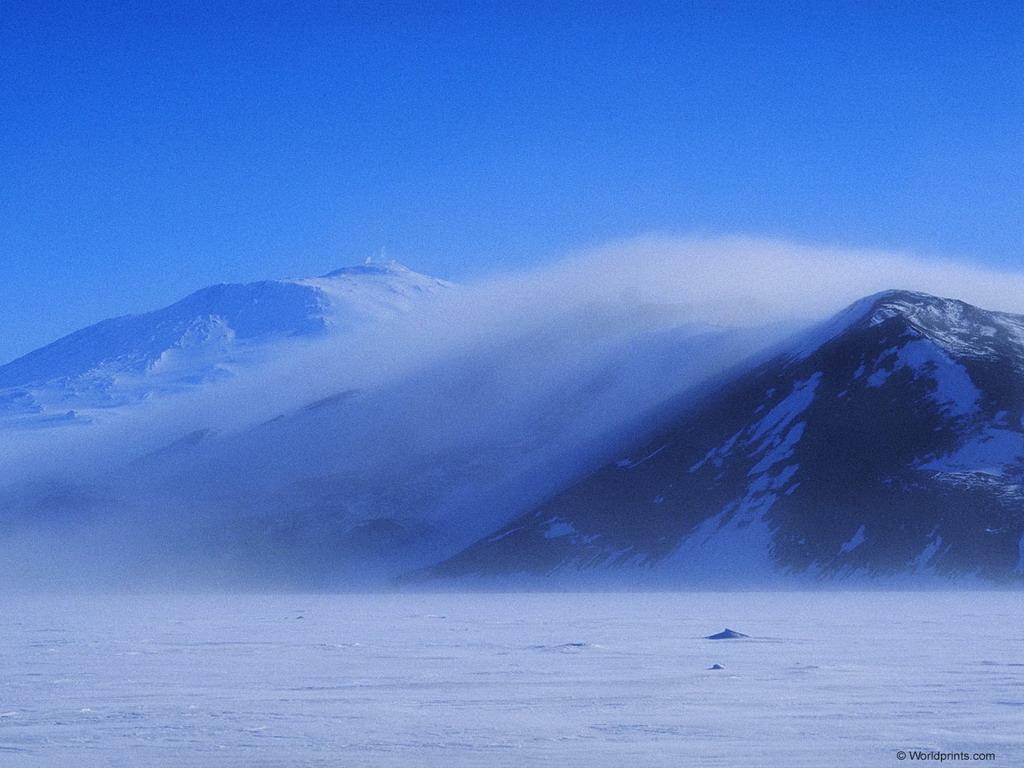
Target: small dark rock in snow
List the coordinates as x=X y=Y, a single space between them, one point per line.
x=716 y=666
x=726 y=634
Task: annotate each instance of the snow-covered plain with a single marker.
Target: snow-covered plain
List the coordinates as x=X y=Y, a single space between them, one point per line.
x=837 y=678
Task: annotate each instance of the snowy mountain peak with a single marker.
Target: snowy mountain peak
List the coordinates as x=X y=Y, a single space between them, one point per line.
x=204 y=336
x=921 y=309
x=370 y=267
x=376 y=279
x=959 y=328
x=955 y=326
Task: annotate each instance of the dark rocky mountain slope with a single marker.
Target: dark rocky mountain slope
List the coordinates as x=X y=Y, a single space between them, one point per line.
x=888 y=441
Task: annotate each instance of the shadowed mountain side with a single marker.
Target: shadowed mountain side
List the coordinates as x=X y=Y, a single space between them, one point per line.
x=887 y=443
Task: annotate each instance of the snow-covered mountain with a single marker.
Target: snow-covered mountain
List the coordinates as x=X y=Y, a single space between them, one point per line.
x=204 y=337
x=586 y=442
x=886 y=441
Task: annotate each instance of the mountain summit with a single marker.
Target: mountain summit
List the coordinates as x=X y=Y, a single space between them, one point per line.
x=198 y=339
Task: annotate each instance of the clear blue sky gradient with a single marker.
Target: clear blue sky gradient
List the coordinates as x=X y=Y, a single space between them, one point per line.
x=151 y=149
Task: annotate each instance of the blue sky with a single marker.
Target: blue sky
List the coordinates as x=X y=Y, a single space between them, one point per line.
x=147 y=151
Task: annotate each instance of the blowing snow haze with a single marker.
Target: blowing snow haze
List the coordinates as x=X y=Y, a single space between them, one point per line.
x=654 y=411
